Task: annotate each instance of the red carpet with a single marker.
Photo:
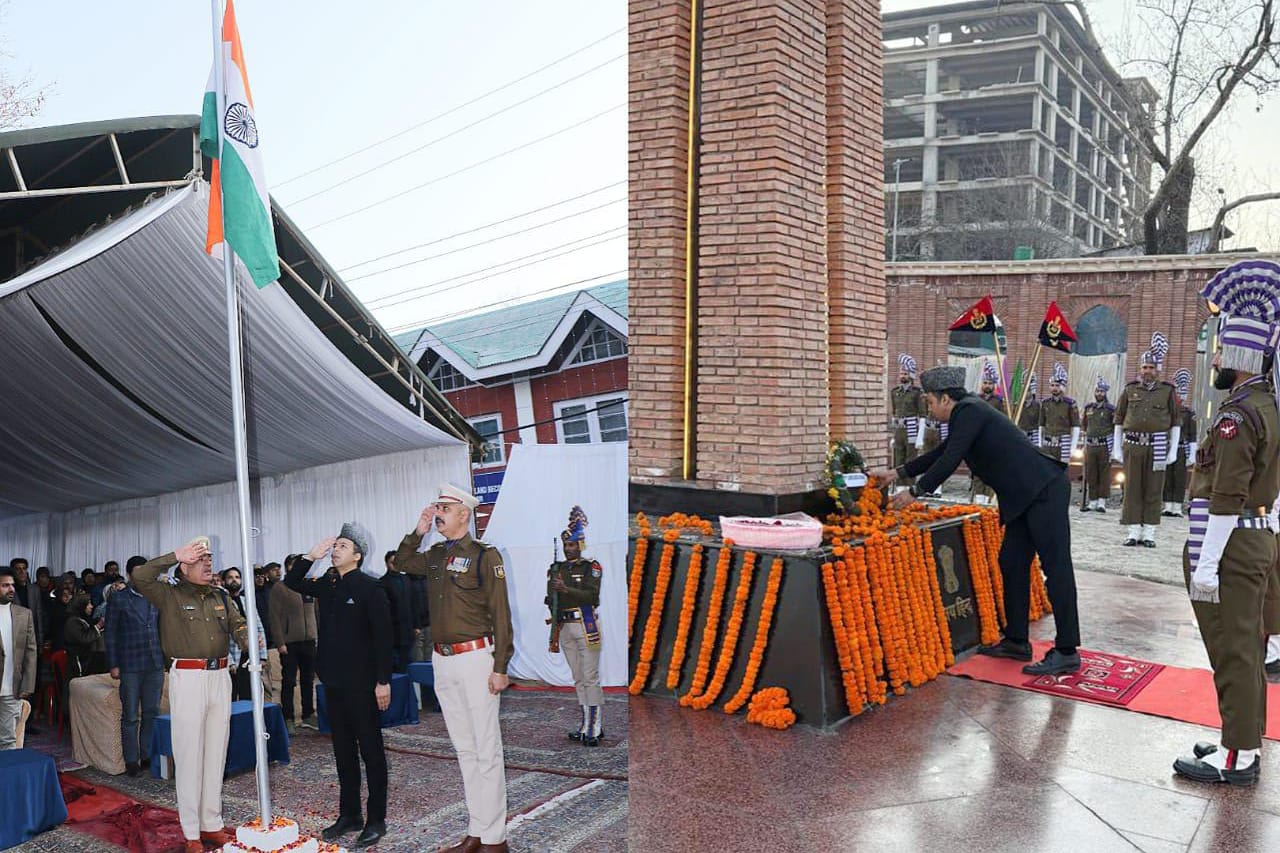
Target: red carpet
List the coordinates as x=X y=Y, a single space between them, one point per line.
x=1173 y=692
x=114 y=817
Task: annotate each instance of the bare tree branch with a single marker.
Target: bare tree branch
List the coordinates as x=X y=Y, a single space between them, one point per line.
x=1216 y=231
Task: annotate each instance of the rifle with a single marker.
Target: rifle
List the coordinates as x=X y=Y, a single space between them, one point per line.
x=553 y=602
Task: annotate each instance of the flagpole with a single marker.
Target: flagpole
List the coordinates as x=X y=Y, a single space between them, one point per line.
x=241 y=452
x=995 y=337
x=1026 y=386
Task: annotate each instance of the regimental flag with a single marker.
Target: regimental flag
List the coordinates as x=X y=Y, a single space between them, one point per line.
x=979 y=318
x=1055 y=331
x=239 y=207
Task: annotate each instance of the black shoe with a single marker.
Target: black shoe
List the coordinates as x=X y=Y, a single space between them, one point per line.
x=1006 y=648
x=1273 y=667
x=1053 y=663
x=1129 y=543
x=373 y=832
x=588 y=740
x=1147 y=543
x=132 y=768
x=1086 y=509
x=1192 y=767
x=145 y=764
x=1101 y=509
x=343 y=825
x=575 y=734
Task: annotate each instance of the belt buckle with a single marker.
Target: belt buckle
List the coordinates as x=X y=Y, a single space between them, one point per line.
x=210 y=664
x=446 y=649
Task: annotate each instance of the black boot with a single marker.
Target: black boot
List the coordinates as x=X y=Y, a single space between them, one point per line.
x=341 y=827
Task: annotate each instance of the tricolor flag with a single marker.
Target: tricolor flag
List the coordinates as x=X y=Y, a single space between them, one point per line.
x=1055 y=331
x=239 y=207
x=979 y=318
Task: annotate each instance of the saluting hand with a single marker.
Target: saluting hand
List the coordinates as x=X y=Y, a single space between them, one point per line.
x=425 y=520
x=322 y=548
x=382 y=693
x=498 y=682
x=190 y=553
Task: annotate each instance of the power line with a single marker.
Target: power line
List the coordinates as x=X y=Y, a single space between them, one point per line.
x=484 y=227
x=468 y=168
x=452 y=110
x=487 y=242
x=433 y=289
x=453 y=133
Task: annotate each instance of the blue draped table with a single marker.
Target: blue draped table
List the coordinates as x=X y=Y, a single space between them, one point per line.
x=30 y=796
x=402 y=711
x=240 y=753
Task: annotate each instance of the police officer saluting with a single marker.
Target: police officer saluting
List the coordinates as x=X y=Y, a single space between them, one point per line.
x=473 y=643
x=1098 y=421
x=353 y=660
x=1147 y=427
x=196 y=620
x=573 y=594
x=1232 y=544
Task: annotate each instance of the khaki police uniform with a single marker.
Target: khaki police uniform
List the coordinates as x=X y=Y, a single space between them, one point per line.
x=195 y=625
x=1058 y=417
x=1029 y=419
x=581 y=578
x=1142 y=412
x=1175 y=476
x=473 y=638
x=977 y=488
x=1097 y=425
x=1238 y=472
x=906 y=403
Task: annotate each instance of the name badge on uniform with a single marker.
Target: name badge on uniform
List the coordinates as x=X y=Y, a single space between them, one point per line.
x=188 y=607
x=458 y=564
x=218 y=607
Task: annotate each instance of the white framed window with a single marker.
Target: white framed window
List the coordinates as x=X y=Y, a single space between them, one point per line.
x=490 y=429
x=592 y=420
x=446 y=377
x=599 y=342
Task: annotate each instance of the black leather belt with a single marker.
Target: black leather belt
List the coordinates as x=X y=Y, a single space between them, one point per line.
x=1095 y=442
x=1255 y=512
x=572 y=615
x=1139 y=438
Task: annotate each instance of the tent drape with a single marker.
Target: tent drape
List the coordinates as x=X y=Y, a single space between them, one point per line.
x=542 y=483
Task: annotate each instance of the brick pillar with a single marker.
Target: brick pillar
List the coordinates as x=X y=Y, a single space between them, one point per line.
x=658 y=33
x=791 y=316
x=855 y=227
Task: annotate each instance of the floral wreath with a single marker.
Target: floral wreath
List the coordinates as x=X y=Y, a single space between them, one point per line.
x=843 y=457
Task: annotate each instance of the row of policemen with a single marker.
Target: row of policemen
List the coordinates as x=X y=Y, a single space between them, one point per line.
x=1230 y=558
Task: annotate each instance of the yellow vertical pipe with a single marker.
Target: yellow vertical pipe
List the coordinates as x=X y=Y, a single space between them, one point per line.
x=690 y=235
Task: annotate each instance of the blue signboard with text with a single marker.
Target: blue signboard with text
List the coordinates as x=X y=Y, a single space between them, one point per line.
x=486 y=485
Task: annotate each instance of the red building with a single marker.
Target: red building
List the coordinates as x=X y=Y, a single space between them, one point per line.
x=544 y=372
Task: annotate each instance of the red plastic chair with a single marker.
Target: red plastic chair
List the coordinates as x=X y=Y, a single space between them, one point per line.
x=55 y=691
x=48 y=697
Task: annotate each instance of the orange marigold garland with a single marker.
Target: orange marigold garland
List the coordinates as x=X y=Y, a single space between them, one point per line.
x=636 y=580
x=761 y=641
x=702 y=669
x=947 y=656
x=769 y=709
x=835 y=612
x=649 y=645
x=687 y=607
x=980 y=576
x=731 y=633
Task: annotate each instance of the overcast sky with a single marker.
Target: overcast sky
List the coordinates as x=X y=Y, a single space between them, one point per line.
x=332 y=78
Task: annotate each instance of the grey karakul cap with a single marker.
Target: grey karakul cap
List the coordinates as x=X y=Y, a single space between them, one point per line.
x=358 y=535
x=937 y=379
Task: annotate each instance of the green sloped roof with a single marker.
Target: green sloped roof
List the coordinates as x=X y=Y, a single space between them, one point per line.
x=513 y=333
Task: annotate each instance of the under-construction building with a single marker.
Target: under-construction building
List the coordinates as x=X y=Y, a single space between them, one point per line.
x=1006 y=127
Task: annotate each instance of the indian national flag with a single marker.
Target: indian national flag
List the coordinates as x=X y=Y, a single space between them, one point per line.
x=239 y=207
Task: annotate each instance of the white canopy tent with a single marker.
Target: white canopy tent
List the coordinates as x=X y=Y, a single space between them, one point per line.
x=117 y=433
x=542 y=483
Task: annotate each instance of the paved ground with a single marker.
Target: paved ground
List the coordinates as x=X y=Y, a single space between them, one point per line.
x=958 y=764
x=561 y=796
